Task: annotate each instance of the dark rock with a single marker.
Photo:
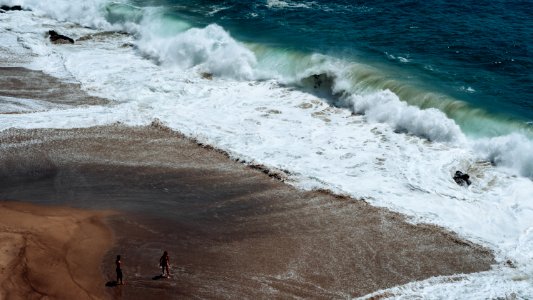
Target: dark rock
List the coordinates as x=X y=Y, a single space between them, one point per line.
x=127 y=45
x=7 y=8
x=207 y=76
x=510 y=264
x=462 y=178
x=57 y=38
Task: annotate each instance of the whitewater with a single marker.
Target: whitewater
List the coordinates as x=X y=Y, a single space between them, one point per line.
x=265 y=106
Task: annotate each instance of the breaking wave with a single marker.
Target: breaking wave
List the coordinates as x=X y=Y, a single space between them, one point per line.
x=343 y=83
x=513 y=151
x=210 y=50
x=89 y=13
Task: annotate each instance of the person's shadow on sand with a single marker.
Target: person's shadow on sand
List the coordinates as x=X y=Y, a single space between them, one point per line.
x=116 y=292
x=159 y=277
x=111 y=283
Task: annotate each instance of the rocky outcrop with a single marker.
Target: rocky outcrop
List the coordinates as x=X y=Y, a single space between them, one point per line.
x=57 y=38
x=5 y=8
x=462 y=178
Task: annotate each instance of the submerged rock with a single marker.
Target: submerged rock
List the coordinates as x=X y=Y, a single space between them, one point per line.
x=57 y=38
x=462 y=178
x=207 y=76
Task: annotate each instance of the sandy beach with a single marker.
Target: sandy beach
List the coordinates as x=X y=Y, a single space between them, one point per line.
x=232 y=230
x=272 y=156
x=51 y=252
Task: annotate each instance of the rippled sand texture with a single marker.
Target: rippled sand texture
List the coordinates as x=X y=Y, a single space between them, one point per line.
x=231 y=230
x=51 y=252
x=21 y=83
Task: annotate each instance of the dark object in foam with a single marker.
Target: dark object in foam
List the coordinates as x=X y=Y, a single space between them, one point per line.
x=5 y=8
x=57 y=38
x=462 y=178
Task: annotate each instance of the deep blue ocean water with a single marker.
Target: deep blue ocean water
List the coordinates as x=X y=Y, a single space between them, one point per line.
x=478 y=52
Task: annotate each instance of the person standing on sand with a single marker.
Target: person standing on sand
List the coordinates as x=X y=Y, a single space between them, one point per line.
x=119 y=270
x=164 y=262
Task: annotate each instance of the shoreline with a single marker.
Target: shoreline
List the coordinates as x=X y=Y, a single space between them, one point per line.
x=44 y=252
x=231 y=225
x=230 y=228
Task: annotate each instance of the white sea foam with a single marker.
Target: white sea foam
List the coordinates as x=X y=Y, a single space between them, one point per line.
x=398 y=58
x=513 y=151
x=11 y=105
x=88 y=13
x=215 y=9
x=467 y=89
x=288 y=4
x=288 y=128
x=380 y=106
x=495 y=284
x=210 y=49
x=386 y=107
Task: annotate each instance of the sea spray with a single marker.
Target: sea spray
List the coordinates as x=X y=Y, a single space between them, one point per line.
x=210 y=50
x=513 y=151
x=88 y=13
x=386 y=107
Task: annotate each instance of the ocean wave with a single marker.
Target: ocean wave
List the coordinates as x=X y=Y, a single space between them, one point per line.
x=398 y=58
x=210 y=50
x=356 y=87
x=282 y=124
x=347 y=84
x=386 y=107
x=317 y=5
x=288 y=4
x=514 y=151
x=359 y=80
x=360 y=88
x=89 y=13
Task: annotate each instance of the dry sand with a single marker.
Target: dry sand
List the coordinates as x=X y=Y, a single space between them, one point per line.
x=51 y=252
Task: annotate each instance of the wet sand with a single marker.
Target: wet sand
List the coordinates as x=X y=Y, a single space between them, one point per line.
x=231 y=230
x=53 y=252
x=16 y=82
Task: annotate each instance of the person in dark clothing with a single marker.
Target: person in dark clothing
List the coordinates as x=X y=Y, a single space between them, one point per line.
x=118 y=262
x=164 y=262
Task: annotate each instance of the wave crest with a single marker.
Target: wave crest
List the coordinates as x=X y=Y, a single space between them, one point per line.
x=88 y=13
x=386 y=107
x=514 y=151
x=210 y=49
x=331 y=79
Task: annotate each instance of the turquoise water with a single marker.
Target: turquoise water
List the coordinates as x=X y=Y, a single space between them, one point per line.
x=470 y=59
